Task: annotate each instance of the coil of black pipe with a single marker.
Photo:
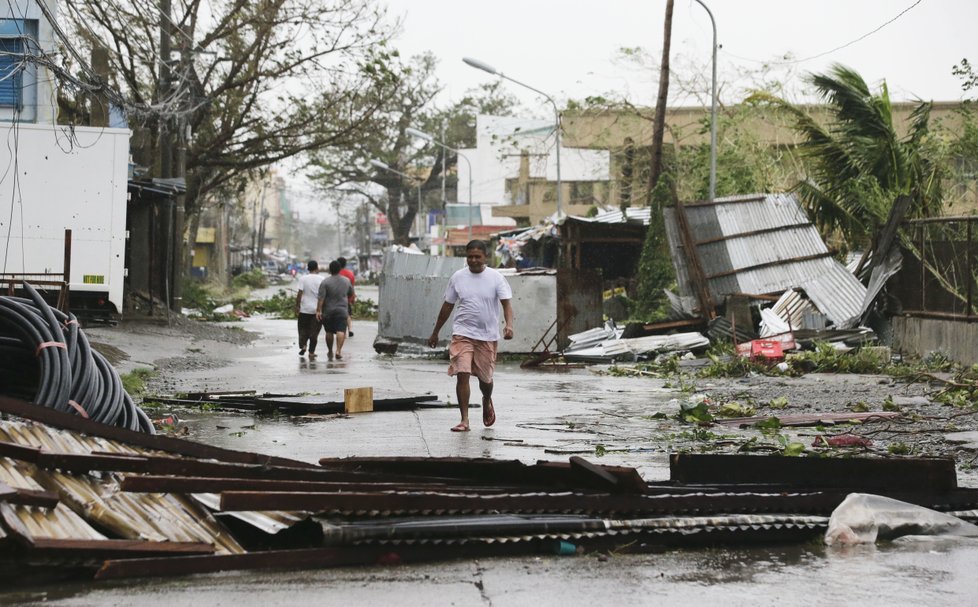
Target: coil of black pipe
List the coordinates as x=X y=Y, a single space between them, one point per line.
x=46 y=358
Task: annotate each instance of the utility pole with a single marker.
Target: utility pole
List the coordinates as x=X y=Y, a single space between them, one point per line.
x=175 y=241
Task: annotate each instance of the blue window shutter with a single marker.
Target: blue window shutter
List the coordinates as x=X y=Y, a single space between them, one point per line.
x=11 y=71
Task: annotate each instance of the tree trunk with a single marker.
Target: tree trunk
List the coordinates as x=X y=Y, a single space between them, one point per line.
x=659 y=123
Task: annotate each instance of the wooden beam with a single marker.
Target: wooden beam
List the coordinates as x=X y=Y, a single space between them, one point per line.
x=24 y=453
x=308 y=558
x=66 y=421
x=87 y=462
x=28 y=497
x=103 y=549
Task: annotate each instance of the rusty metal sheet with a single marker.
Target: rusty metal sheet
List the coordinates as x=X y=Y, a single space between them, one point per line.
x=579 y=305
x=859 y=474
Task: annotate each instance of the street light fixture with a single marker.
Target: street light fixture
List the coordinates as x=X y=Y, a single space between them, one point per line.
x=426 y=137
x=713 y=109
x=479 y=65
x=384 y=167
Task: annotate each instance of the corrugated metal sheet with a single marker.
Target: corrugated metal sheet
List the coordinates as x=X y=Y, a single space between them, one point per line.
x=412 y=289
x=95 y=499
x=397 y=263
x=634 y=214
x=729 y=264
x=270 y=522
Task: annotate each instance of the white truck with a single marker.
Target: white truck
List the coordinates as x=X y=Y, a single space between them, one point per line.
x=57 y=177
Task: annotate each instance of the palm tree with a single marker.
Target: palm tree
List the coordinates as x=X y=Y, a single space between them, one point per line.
x=857 y=163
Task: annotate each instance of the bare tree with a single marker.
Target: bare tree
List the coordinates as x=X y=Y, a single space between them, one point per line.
x=247 y=84
x=410 y=103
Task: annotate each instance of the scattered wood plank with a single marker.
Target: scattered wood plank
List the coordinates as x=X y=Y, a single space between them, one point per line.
x=812 y=419
x=358 y=400
x=935 y=475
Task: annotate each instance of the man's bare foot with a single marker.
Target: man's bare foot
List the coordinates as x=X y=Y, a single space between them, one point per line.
x=461 y=427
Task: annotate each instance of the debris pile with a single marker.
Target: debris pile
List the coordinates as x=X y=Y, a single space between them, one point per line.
x=747 y=268
x=45 y=357
x=83 y=498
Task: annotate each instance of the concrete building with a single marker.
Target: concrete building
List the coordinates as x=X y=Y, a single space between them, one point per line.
x=627 y=135
x=514 y=171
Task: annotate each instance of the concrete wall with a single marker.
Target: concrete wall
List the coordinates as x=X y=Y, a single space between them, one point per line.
x=959 y=340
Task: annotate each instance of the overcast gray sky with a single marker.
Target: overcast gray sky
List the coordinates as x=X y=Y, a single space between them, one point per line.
x=568 y=47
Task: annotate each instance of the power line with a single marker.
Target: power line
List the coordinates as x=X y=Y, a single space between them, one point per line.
x=828 y=52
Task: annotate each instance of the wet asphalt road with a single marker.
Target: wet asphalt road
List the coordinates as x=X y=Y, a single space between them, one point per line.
x=541 y=415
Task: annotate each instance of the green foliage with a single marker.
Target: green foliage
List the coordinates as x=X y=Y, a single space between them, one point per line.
x=364 y=309
x=858 y=164
x=252 y=279
x=196 y=295
x=827 y=359
x=600 y=450
x=962 y=391
x=134 y=382
x=282 y=305
x=735 y=409
x=793 y=449
x=778 y=403
x=899 y=449
x=731 y=366
x=965 y=71
x=770 y=425
x=655 y=271
x=695 y=413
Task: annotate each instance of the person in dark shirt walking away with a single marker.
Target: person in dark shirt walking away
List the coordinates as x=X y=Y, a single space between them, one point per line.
x=478 y=291
x=332 y=308
x=305 y=308
x=353 y=281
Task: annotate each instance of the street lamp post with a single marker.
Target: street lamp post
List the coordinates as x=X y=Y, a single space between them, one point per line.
x=713 y=109
x=383 y=166
x=488 y=68
x=430 y=139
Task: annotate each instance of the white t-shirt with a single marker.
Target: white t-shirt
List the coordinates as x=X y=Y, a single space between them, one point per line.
x=309 y=285
x=476 y=297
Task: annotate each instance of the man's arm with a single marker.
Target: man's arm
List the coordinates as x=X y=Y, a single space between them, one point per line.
x=443 y=314
x=298 y=300
x=320 y=298
x=507 y=318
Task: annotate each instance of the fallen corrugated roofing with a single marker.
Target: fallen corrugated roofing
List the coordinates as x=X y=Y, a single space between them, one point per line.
x=763 y=244
x=94 y=501
x=632 y=215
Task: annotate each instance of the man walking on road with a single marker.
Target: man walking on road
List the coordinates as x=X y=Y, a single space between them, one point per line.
x=479 y=291
x=305 y=309
x=332 y=308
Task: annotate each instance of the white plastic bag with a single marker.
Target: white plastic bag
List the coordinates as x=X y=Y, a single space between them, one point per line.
x=863 y=518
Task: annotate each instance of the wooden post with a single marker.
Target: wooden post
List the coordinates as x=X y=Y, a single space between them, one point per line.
x=358 y=400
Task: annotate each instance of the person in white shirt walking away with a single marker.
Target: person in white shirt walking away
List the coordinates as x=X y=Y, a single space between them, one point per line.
x=305 y=309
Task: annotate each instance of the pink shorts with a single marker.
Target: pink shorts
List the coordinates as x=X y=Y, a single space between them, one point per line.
x=472 y=356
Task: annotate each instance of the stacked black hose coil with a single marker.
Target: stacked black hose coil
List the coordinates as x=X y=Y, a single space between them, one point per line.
x=45 y=357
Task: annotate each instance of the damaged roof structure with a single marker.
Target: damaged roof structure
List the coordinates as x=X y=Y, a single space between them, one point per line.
x=83 y=499
x=759 y=245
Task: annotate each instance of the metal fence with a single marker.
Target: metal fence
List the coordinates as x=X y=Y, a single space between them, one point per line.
x=938 y=277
